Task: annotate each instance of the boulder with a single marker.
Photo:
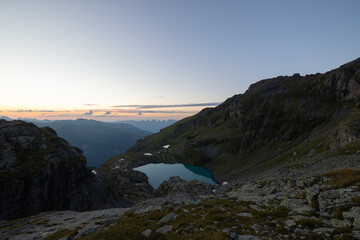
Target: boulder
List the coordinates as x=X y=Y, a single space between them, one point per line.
x=336 y=198
x=297 y=206
x=336 y=223
x=353 y=214
x=312 y=193
x=177 y=185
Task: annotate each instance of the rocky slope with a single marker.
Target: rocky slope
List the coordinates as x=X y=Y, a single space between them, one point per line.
x=318 y=207
x=40 y=172
x=275 y=121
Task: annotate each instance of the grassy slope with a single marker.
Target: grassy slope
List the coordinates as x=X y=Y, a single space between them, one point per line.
x=265 y=126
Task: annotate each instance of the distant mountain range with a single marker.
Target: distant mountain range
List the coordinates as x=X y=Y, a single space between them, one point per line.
x=150 y=125
x=99 y=140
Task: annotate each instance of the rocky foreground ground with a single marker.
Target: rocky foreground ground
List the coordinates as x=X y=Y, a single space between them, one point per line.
x=322 y=207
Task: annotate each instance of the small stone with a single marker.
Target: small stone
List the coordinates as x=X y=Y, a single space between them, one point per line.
x=146 y=233
x=255 y=207
x=248 y=237
x=335 y=223
x=290 y=223
x=169 y=217
x=226 y=230
x=245 y=214
x=323 y=230
x=255 y=226
x=301 y=231
x=165 y=229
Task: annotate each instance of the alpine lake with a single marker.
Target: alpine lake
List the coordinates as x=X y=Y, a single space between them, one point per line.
x=159 y=172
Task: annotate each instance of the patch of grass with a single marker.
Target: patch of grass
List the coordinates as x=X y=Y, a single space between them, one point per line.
x=348 y=149
x=338 y=213
x=43 y=221
x=342 y=230
x=314 y=203
x=277 y=212
x=209 y=235
x=344 y=178
x=309 y=223
x=346 y=236
x=61 y=234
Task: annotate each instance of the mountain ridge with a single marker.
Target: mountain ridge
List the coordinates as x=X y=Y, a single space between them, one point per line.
x=273 y=119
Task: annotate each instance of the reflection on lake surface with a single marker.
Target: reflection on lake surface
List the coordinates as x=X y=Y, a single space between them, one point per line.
x=159 y=172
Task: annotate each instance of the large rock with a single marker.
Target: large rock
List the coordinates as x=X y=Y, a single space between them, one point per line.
x=311 y=194
x=40 y=171
x=297 y=206
x=354 y=214
x=177 y=185
x=336 y=198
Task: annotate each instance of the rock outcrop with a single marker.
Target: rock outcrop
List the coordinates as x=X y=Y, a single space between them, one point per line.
x=176 y=185
x=40 y=171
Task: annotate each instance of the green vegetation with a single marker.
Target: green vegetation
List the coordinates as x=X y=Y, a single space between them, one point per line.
x=201 y=221
x=344 y=178
x=61 y=234
x=309 y=223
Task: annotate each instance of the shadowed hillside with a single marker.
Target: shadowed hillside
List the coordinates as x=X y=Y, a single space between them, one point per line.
x=275 y=121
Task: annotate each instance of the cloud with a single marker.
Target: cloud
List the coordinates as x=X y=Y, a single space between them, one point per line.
x=30 y=110
x=169 y=106
x=89 y=113
x=90 y=104
x=107 y=113
x=139 y=113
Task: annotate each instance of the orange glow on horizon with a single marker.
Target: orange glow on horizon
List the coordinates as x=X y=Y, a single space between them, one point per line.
x=117 y=114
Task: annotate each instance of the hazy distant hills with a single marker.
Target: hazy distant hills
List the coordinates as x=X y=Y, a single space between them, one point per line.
x=98 y=140
x=150 y=125
x=5 y=118
x=101 y=140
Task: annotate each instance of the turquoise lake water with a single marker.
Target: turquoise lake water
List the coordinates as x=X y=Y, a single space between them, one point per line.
x=159 y=172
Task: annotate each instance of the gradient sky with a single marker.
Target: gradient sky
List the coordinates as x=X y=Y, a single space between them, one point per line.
x=67 y=59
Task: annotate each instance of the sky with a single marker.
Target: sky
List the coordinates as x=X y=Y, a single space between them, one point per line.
x=160 y=59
